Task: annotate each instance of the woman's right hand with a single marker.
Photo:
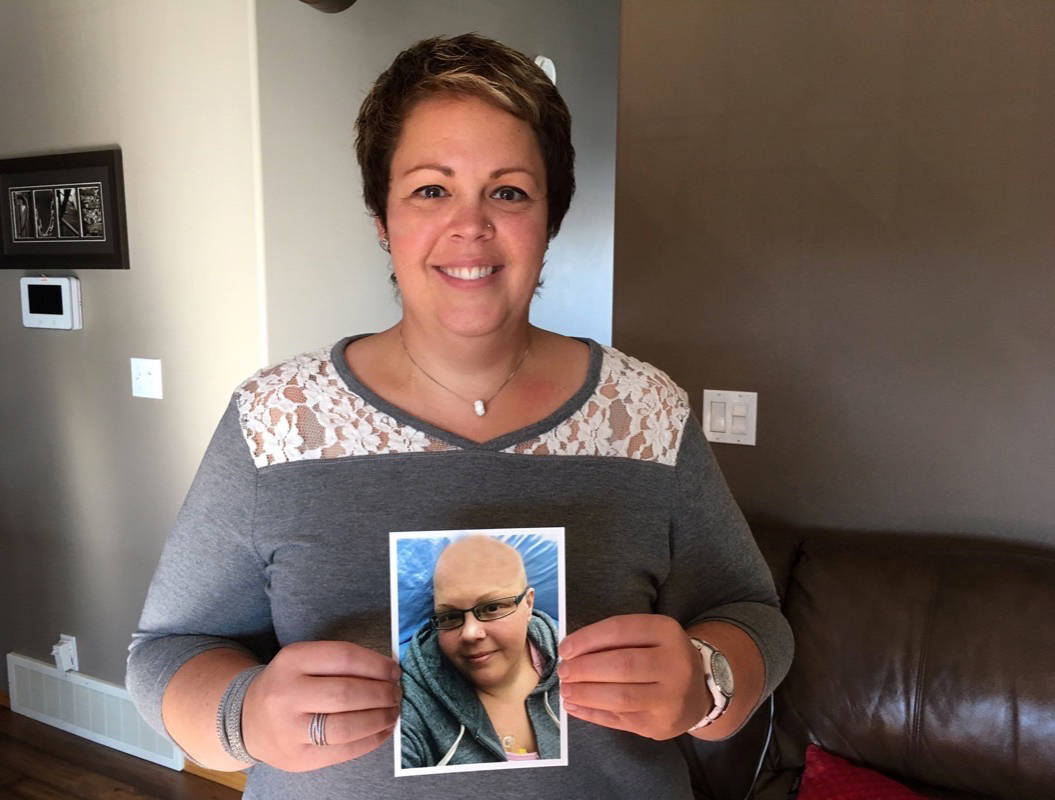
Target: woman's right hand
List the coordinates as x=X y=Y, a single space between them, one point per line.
x=358 y=689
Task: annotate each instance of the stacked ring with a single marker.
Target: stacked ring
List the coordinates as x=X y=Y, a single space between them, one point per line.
x=317 y=729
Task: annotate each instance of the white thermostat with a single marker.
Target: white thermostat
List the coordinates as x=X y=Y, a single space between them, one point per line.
x=51 y=303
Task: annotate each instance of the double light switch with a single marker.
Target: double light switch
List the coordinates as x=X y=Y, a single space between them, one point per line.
x=729 y=416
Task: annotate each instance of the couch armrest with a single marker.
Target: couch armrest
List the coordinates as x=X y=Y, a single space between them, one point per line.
x=929 y=659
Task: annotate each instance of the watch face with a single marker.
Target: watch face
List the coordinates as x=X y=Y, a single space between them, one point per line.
x=723 y=676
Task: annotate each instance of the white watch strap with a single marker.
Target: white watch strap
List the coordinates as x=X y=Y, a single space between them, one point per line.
x=721 y=702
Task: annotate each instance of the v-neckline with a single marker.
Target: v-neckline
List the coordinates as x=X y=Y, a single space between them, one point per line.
x=530 y=431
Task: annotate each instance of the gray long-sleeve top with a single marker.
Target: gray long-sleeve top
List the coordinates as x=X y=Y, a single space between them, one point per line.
x=284 y=538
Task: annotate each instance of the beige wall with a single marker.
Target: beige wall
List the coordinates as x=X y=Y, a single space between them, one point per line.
x=849 y=207
x=90 y=477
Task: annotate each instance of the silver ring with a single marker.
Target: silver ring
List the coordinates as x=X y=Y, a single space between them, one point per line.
x=317 y=729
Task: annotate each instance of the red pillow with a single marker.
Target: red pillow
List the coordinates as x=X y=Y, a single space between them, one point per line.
x=828 y=777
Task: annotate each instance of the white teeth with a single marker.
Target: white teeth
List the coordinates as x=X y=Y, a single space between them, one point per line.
x=467 y=273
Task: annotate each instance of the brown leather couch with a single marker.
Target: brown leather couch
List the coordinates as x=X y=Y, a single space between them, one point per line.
x=929 y=659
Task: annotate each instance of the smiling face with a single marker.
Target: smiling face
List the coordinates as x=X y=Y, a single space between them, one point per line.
x=466 y=216
x=469 y=572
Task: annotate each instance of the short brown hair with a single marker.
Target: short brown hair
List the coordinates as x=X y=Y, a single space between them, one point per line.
x=471 y=65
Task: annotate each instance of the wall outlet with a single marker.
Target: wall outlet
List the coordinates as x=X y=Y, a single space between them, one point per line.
x=146 y=378
x=65 y=653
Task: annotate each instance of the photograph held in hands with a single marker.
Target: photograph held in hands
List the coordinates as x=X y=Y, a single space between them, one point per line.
x=476 y=620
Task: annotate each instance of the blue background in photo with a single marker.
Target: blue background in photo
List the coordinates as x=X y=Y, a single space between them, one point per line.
x=416 y=559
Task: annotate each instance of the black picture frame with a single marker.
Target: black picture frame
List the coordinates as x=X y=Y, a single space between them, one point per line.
x=63 y=211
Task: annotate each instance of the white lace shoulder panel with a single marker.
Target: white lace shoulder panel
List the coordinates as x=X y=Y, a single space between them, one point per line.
x=636 y=412
x=301 y=409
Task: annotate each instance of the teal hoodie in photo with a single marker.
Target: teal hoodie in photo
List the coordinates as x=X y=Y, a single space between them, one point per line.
x=443 y=723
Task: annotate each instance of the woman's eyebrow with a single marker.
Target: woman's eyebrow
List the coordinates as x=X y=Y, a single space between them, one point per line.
x=486 y=597
x=498 y=173
x=448 y=171
x=497 y=594
x=435 y=167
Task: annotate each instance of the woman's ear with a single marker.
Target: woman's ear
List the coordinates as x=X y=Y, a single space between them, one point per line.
x=382 y=240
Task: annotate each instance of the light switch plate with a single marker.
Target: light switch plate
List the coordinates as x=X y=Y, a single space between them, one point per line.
x=730 y=416
x=146 y=378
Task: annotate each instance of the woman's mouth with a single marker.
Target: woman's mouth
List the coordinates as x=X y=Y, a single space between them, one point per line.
x=476 y=659
x=469 y=273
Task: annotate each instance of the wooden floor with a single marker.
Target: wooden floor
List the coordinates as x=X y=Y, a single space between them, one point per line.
x=39 y=762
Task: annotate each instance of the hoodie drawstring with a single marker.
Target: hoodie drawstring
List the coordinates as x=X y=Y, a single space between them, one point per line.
x=450 y=753
x=549 y=710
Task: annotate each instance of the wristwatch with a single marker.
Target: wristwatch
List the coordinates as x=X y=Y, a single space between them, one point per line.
x=719 y=680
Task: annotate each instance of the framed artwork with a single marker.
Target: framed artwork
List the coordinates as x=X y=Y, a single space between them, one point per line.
x=63 y=211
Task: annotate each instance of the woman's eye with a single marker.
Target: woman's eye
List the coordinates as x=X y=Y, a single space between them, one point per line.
x=431 y=192
x=509 y=194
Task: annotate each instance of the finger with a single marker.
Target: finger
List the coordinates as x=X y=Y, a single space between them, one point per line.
x=615 y=697
x=627 y=630
x=351 y=726
x=341 y=658
x=365 y=745
x=314 y=757
x=330 y=695
x=625 y=665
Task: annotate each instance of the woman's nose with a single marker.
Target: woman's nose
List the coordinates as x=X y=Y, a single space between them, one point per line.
x=472 y=628
x=470 y=221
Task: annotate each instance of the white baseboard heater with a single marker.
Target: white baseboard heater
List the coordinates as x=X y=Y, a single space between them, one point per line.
x=87 y=707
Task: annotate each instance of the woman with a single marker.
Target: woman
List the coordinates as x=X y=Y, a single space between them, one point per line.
x=264 y=627
x=480 y=677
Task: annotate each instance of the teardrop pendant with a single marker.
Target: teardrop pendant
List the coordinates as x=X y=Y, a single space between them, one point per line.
x=479 y=406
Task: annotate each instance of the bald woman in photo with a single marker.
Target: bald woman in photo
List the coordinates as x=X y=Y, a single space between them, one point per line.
x=479 y=679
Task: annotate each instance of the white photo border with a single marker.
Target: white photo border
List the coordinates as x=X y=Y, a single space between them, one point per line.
x=555 y=535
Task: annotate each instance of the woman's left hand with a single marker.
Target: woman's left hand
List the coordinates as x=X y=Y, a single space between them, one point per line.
x=635 y=672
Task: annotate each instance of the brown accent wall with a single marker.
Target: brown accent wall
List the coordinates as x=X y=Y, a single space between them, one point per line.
x=849 y=207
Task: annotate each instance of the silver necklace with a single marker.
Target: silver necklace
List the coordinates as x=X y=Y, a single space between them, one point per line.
x=480 y=405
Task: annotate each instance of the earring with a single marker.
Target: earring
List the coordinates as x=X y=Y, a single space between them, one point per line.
x=384 y=245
